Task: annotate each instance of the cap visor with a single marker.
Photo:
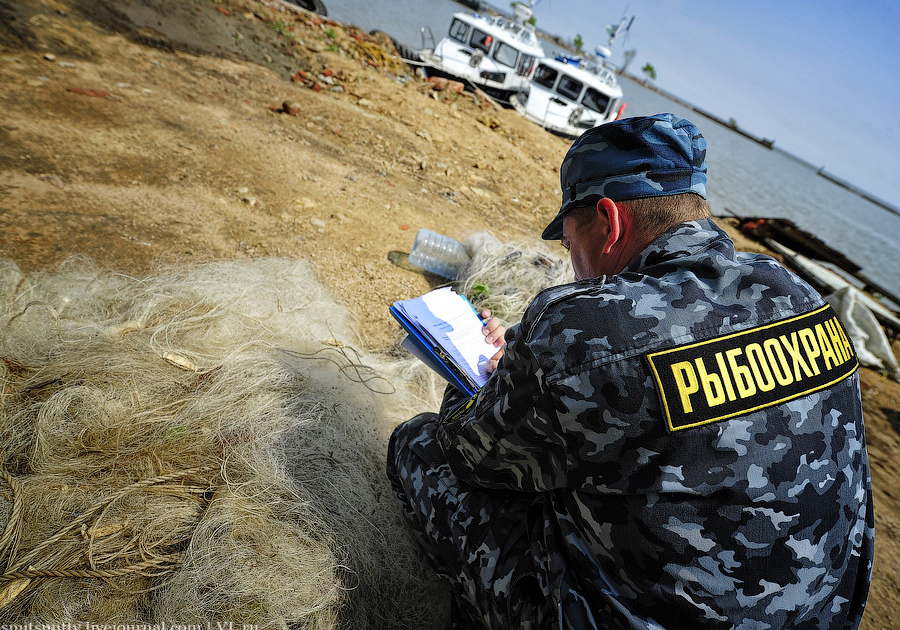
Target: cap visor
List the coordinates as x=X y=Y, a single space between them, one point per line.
x=553 y=232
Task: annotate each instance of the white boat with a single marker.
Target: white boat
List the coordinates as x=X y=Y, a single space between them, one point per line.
x=494 y=53
x=569 y=95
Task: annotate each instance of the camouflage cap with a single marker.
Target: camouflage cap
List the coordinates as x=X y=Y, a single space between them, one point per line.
x=632 y=158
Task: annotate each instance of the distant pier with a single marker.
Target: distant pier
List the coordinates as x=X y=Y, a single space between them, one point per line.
x=765 y=142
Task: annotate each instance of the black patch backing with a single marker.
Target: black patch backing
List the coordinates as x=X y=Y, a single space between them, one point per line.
x=761 y=367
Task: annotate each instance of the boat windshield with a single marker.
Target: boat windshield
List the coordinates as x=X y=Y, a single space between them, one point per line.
x=605 y=75
x=569 y=87
x=459 y=30
x=521 y=32
x=545 y=75
x=506 y=54
x=480 y=40
x=595 y=100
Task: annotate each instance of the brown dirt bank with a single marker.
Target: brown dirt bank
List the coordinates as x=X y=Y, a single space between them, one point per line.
x=152 y=131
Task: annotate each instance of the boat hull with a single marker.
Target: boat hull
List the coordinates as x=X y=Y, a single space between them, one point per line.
x=515 y=100
x=434 y=68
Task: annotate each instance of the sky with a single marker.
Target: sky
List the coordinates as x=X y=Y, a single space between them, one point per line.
x=820 y=78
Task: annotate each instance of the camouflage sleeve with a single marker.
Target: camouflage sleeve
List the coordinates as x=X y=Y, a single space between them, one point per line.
x=506 y=435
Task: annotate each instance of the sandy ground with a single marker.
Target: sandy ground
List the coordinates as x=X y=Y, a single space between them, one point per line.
x=142 y=132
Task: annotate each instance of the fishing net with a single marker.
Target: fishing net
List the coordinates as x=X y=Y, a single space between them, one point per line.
x=206 y=444
x=202 y=444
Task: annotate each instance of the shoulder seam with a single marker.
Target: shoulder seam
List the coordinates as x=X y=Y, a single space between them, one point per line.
x=550 y=302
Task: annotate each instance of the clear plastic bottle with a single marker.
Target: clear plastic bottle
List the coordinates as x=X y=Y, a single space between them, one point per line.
x=439 y=254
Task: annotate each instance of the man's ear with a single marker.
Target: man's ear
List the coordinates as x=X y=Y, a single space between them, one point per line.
x=608 y=209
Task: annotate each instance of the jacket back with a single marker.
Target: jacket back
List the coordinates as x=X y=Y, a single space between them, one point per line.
x=692 y=429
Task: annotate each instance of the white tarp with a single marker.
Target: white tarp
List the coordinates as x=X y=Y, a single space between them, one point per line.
x=872 y=346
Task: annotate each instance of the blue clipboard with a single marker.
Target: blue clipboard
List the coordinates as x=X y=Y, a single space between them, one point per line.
x=439 y=360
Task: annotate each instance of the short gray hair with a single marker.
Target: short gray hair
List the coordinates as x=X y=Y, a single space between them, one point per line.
x=652 y=216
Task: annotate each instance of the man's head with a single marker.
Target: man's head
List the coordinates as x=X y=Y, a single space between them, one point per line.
x=637 y=177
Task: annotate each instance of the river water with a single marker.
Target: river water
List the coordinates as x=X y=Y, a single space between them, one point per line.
x=745 y=178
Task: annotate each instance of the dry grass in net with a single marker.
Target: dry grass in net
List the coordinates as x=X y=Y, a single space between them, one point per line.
x=505 y=277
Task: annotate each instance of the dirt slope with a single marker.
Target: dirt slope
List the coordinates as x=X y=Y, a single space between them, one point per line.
x=146 y=131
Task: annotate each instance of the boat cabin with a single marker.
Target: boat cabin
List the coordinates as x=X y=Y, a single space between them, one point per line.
x=568 y=95
x=494 y=53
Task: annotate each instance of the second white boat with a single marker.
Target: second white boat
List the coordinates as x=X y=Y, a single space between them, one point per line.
x=569 y=95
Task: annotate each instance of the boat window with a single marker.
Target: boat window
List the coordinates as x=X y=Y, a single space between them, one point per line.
x=597 y=101
x=544 y=75
x=606 y=76
x=459 y=30
x=526 y=63
x=569 y=87
x=480 y=40
x=506 y=54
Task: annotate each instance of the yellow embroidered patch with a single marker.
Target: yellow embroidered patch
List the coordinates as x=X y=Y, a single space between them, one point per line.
x=735 y=374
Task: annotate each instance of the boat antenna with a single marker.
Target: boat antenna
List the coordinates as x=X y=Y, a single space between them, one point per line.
x=614 y=31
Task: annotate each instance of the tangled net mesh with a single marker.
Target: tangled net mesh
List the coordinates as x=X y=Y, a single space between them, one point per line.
x=206 y=443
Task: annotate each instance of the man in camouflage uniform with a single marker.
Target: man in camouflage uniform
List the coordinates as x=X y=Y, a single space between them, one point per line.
x=673 y=441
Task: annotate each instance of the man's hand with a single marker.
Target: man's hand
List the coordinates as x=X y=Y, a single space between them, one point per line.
x=493 y=334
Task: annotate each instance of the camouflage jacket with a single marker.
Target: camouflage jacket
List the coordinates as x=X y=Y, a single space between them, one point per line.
x=691 y=430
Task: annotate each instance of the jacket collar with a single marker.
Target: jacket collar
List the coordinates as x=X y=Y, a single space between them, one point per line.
x=686 y=239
